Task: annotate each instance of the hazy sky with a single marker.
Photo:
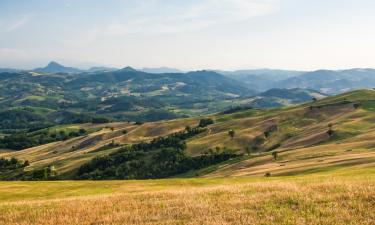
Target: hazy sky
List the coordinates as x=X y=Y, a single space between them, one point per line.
x=189 y=34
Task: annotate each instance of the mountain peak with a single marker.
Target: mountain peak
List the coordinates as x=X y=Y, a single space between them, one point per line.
x=54 y=67
x=128 y=69
x=54 y=64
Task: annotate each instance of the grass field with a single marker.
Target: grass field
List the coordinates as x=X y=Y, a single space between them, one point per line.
x=335 y=197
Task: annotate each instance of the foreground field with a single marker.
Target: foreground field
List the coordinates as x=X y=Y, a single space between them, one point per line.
x=339 y=197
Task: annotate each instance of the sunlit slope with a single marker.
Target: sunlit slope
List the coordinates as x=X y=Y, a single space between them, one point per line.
x=70 y=154
x=298 y=133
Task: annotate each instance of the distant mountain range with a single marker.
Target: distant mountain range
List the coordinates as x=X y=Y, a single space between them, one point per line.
x=325 y=81
x=258 y=80
x=331 y=81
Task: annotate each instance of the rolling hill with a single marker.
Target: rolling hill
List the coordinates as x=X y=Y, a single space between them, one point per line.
x=329 y=134
x=120 y=95
x=39 y=99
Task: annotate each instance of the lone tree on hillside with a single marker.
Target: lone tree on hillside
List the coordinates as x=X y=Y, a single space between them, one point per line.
x=231 y=133
x=275 y=154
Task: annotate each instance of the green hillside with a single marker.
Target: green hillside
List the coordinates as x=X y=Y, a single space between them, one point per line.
x=327 y=134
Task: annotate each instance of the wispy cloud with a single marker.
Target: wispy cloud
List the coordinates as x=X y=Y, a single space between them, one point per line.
x=180 y=17
x=169 y=17
x=18 y=23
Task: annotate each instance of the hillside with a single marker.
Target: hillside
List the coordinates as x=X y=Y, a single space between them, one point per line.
x=40 y=100
x=300 y=135
x=121 y=95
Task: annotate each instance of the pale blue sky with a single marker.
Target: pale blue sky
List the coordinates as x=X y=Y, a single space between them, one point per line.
x=189 y=34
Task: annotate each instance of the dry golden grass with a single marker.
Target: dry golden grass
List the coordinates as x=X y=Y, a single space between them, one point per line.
x=309 y=200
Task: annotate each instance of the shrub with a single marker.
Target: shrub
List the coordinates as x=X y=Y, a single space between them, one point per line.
x=275 y=155
x=231 y=133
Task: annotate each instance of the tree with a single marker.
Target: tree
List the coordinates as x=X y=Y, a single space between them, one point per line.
x=231 y=133
x=314 y=99
x=205 y=122
x=275 y=154
x=82 y=131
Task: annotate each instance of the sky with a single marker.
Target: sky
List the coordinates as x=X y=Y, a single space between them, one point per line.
x=189 y=34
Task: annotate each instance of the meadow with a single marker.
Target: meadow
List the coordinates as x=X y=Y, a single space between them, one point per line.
x=343 y=196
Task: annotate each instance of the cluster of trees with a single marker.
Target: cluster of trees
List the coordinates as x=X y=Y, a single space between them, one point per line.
x=24 y=140
x=205 y=122
x=11 y=164
x=12 y=169
x=46 y=173
x=100 y=120
x=162 y=157
x=235 y=109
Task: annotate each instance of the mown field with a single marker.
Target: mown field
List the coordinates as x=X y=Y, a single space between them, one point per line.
x=342 y=196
